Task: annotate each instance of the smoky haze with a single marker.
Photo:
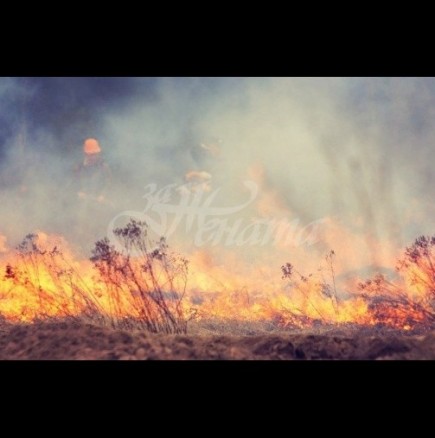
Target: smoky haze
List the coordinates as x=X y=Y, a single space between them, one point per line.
x=355 y=151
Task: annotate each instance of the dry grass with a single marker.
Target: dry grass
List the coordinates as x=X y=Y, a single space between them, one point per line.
x=141 y=286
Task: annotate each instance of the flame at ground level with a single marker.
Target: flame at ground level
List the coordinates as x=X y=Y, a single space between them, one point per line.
x=50 y=282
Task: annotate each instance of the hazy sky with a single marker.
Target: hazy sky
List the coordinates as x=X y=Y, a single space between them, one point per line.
x=358 y=151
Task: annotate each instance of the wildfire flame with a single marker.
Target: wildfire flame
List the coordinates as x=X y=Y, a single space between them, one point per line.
x=44 y=278
x=51 y=282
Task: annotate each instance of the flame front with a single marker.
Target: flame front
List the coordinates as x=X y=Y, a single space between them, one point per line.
x=233 y=283
x=52 y=283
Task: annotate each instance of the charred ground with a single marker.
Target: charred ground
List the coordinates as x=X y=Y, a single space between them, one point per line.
x=64 y=340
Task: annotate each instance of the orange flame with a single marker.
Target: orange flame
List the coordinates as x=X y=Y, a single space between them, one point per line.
x=241 y=285
x=52 y=283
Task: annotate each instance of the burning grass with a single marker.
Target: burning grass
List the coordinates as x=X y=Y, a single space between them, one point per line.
x=141 y=284
x=120 y=290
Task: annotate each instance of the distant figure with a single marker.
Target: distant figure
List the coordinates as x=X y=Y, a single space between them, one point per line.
x=93 y=174
x=206 y=152
x=205 y=155
x=93 y=208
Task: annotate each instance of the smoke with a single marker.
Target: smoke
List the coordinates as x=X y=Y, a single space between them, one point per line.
x=354 y=152
x=3 y=246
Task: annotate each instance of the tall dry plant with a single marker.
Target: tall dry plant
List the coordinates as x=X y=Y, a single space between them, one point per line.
x=53 y=286
x=147 y=275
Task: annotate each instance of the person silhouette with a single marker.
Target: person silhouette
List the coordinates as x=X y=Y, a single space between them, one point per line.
x=93 y=174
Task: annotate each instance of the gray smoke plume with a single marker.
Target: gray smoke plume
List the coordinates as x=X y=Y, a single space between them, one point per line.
x=355 y=150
